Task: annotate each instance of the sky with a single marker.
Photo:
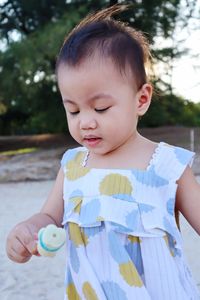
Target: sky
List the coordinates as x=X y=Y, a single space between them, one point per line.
x=186 y=70
x=186 y=73
x=185 y=78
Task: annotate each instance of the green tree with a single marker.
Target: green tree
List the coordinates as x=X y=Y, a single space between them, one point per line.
x=29 y=99
x=28 y=83
x=169 y=109
x=28 y=16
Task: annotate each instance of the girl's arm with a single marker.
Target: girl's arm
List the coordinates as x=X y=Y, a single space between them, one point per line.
x=188 y=198
x=52 y=210
x=54 y=205
x=21 y=241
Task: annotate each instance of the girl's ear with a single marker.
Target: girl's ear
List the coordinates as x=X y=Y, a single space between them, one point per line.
x=144 y=99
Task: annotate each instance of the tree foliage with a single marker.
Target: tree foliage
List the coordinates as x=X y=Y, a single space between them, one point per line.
x=29 y=98
x=28 y=16
x=170 y=109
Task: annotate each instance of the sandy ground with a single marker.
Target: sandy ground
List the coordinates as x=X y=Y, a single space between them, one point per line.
x=42 y=278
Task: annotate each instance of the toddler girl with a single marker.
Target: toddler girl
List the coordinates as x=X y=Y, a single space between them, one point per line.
x=119 y=189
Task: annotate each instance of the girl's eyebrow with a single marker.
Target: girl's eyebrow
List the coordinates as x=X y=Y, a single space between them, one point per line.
x=93 y=98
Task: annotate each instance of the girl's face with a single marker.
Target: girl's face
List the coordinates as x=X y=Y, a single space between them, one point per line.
x=102 y=105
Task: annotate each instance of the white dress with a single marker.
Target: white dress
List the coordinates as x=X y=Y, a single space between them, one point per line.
x=122 y=238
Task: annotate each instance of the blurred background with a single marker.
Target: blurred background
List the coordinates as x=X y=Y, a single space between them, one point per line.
x=32 y=117
x=32 y=32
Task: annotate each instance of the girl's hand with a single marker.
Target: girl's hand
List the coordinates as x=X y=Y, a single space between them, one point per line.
x=22 y=242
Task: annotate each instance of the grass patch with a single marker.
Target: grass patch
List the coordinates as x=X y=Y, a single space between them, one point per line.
x=18 y=151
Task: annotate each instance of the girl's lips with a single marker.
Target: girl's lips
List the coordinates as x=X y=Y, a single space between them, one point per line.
x=93 y=141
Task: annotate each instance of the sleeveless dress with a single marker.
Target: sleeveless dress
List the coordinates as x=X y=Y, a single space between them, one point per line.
x=122 y=238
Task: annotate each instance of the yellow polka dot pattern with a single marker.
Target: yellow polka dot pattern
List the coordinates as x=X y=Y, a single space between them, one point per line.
x=72 y=292
x=89 y=292
x=130 y=274
x=76 y=202
x=134 y=239
x=77 y=209
x=115 y=184
x=74 y=168
x=84 y=237
x=75 y=235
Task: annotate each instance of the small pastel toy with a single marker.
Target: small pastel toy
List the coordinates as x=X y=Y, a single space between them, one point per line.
x=50 y=240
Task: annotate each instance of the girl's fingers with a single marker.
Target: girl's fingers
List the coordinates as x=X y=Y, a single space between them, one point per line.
x=32 y=247
x=28 y=241
x=18 y=252
x=15 y=249
x=21 y=244
x=35 y=236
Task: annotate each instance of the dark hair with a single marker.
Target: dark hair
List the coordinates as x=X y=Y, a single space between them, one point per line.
x=99 y=33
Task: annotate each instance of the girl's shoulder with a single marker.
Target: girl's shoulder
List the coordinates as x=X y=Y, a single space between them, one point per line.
x=70 y=154
x=173 y=160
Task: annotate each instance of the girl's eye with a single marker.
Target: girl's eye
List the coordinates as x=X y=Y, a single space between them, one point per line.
x=101 y=110
x=73 y=112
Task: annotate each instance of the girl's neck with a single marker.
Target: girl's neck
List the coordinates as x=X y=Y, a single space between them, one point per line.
x=135 y=153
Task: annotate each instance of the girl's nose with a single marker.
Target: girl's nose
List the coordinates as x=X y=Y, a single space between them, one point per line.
x=88 y=123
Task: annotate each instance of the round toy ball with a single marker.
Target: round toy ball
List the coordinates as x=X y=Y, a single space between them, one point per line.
x=50 y=240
